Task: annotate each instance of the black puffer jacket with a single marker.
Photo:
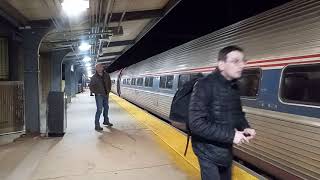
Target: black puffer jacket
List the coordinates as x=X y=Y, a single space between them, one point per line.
x=214 y=112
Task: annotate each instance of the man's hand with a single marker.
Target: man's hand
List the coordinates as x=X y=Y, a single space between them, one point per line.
x=250 y=133
x=239 y=138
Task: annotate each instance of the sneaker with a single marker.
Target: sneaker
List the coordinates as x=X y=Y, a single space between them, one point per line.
x=107 y=124
x=98 y=128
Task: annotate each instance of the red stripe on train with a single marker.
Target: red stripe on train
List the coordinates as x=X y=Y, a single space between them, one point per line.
x=251 y=63
x=284 y=59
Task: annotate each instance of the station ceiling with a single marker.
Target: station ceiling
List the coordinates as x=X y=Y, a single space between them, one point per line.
x=111 y=27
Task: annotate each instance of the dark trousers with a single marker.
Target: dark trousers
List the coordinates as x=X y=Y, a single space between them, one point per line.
x=102 y=102
x=210 y=171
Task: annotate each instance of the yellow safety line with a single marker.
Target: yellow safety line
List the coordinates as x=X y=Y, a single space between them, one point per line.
x=173 y=138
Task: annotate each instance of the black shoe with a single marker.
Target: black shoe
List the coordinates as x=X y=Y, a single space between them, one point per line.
x=107 y=124
x=98 y=128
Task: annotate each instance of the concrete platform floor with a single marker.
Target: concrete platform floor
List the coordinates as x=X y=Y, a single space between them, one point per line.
x=128 y=150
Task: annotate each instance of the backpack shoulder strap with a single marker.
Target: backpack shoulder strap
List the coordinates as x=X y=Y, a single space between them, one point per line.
x=188 y=129
x=188 y=139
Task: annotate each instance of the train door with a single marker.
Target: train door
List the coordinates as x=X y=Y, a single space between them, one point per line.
x=119 y=82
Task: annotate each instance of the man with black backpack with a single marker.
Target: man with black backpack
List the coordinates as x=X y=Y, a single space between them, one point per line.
x=216 y=119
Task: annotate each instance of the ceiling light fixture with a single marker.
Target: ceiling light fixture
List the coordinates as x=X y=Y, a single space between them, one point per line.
x=86 y=59
x=84 y=46
x=74 y=7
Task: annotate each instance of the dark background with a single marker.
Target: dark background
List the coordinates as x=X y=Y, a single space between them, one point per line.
x=189 y=20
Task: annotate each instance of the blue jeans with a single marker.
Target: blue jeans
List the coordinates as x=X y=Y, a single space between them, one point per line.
x=211 y=171
x=102 y=102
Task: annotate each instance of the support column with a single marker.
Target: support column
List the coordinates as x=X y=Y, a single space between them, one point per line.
x=16 y=58
x=31 y=42
x=77 y=73
x=68 y=81
x=76 y=80
x=56 y=69
x=73 y=82
x=79 y=77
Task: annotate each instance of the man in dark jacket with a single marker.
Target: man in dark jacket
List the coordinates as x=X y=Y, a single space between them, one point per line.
x=216 y=119
x=100 y=85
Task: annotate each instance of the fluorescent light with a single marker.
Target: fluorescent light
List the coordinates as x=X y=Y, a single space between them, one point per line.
x=84 y=46
x=89 y=74
x=74 y=7
x=86 y=59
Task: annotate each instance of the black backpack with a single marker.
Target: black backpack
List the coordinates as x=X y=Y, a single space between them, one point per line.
x=180 y=107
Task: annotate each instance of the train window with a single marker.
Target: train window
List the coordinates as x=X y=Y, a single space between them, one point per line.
x=187 y=77
x=128 y=81
x=183 y=78
x=301 y=84
x=140 y=82
x=133 y=81
x=166 y=82
x=249 y=82
x=169 y=82
x=148 y=82
x=163 y=81
x=124 y=81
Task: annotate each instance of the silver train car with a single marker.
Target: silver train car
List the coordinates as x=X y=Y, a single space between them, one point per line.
x=280 y=87
x=115 y=82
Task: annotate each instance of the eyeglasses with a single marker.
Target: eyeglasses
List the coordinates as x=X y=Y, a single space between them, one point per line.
x=237 y=61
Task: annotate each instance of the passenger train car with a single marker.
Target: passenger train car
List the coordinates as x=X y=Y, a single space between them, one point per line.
x=280 y=86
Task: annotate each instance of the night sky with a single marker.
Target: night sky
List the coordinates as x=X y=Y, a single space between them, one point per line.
x=189 y=20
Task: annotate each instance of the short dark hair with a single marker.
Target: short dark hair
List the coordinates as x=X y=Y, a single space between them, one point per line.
x=222 y=56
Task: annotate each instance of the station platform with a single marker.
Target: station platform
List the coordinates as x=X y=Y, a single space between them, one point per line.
x=139 y=146
x=128 y=150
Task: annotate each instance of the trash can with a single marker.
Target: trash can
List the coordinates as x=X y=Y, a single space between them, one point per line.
x=57 y=123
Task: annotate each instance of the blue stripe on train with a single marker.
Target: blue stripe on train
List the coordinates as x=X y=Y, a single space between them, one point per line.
x=268 y=97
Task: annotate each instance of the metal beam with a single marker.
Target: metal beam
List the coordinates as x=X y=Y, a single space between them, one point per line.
x=59 y=49
x=120 y=43
x=111 y=54
x=79 y=54
x=75 y=56
x=71 y=59
x=136 y=15
x=111 y=30
x=39 y=24
x=107 y=60
x=106 y=63
x=116 y=43
x=169 y=6
x=11 y=14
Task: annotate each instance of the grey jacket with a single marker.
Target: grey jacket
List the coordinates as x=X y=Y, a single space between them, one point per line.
x=100 y=85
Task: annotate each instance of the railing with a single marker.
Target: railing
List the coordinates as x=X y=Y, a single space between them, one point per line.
x=11 y=107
